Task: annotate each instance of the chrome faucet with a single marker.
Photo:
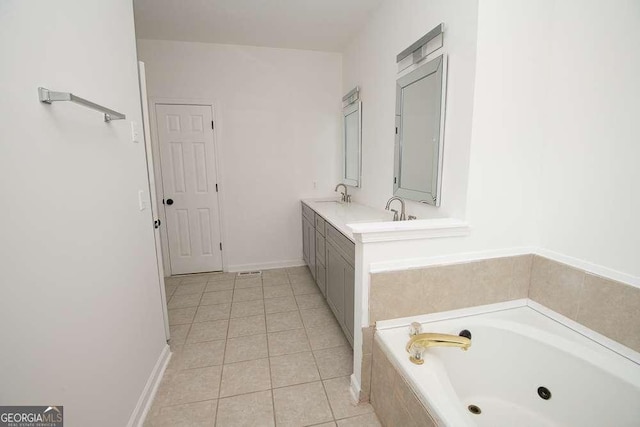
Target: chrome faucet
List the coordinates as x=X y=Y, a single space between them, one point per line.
x=345 y=196
x=395 y=213
x=420 y=342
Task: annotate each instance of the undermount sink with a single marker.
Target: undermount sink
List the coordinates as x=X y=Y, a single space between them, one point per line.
x=327 y=201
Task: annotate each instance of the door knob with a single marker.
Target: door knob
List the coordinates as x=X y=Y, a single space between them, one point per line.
x=169 y=202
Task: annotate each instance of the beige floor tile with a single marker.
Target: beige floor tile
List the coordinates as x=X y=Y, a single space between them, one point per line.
x=300 y=269
x=178 y=333
x=190 y=288
x=243 y=326
x=246 y=348
x=202 y=354
x=283 y=321
x=208 y=331
x=169 y=289
x=310 y=301
x=218 y=297
x=184 y=301
x=275 y=281
x=305 y=288
x=247 y=294
x=190 y=385
x=245 y=377
x=221 y=277
x=212 y=312
x=288 y=342
x=339 y=394
x=246 y=410
x=225 y=285
x=198 y=414
x=318 y=317
x=331 y=424
x=171 y=281
x=252 y=282
x=327 y=336
x=301 y=405
x=293 y=369
x=368 y=420
x=181 y=316
x=334 y=362
x=247 y=308
x=278 y=305
x=176 y=359
x=303 y=277
x=278 y=291
x=193 y=278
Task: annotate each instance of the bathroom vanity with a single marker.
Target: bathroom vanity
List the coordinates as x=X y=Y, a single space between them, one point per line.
x=328 y=249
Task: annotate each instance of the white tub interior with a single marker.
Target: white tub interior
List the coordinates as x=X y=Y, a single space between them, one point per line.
x=516 y=349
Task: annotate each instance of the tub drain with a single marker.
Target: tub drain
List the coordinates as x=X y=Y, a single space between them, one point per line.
x=474 y=409
x=544 y=393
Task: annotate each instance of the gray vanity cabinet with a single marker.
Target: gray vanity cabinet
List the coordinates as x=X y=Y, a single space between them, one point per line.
x=330 y=257
x=309 y=241
x=340 y=278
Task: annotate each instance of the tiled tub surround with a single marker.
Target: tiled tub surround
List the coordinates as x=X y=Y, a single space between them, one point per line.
x=255 y=351
x=608 y=307
x=395 y=402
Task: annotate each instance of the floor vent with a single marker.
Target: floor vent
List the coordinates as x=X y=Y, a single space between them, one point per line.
x=245 y=274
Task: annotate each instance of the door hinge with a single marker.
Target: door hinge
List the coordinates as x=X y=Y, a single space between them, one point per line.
x=396 y=130
x=395 y=179
x=216 y=187
x=220 y=245
x=211 y=124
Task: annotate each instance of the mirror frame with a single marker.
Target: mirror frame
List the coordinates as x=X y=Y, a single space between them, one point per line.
x=439 y=67
x=351 y=104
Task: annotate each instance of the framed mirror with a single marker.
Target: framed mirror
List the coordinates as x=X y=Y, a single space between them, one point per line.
x=352 y=138
x=420 y=106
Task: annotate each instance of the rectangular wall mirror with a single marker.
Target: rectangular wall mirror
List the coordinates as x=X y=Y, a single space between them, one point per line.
x=420 y=105
x=352 y=138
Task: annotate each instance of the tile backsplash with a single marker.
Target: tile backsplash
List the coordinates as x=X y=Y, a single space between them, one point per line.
x=606 y=306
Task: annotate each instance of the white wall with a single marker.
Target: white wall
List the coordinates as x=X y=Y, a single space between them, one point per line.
x=370 y=62
x=551 y=149
x=590 y=153
x=80 y=313
x=278 y=115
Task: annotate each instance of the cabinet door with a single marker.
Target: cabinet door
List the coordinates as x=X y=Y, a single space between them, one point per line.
x=335 y=282
x=349 y=301
x=312 y=249
x=305 y=241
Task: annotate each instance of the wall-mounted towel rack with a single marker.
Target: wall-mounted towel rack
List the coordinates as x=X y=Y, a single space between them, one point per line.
x=49 y=96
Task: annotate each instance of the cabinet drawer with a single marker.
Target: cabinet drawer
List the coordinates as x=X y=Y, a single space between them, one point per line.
x=320 y=224
x=320 y=247
x=308 y=213
x=342 y=243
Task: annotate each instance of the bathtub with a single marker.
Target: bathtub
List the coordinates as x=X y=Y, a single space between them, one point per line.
x=515 y=351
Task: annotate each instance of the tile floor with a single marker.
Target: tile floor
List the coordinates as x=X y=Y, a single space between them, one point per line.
x=256 y=351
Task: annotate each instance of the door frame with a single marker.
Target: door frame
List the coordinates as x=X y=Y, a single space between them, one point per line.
x=164 y=237
x=155 y=211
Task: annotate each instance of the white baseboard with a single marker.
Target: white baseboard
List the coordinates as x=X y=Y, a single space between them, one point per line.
x=265 y=265
x=355 y=389
x=151 y=387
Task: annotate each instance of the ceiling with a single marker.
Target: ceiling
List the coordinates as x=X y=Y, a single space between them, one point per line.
x=326 y=25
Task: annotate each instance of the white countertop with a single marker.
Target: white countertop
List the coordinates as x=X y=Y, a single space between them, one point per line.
x=340 y=214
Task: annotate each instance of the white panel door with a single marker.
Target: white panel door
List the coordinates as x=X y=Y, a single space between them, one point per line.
x=187 y=157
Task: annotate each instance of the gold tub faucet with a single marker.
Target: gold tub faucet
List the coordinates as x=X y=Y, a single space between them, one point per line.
x=420 y=342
